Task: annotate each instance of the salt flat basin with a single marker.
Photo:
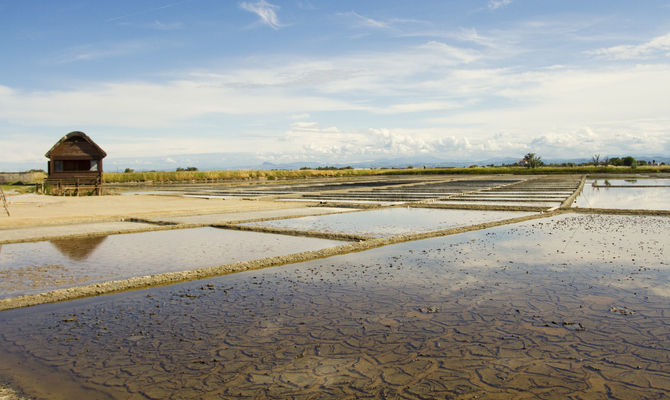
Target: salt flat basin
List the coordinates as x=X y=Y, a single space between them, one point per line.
x=636 y=198
x=222 y=218
x=391 y=221
x=546 y=204
x=542 y=308
x=29 y=268
x=630 y=182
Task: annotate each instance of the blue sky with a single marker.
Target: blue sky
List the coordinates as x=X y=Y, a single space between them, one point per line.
x=335 y=81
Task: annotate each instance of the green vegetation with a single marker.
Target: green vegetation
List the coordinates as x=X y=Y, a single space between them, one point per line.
x=18 y=188
x=326 y=168
x=532 y=160
x=236 y=175
x=232 y=175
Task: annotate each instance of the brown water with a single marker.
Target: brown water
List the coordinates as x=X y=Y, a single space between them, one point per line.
x=391 y=221
x=575 y=306
x=29 y=268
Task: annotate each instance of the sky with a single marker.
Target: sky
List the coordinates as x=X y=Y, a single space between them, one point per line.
x=334 y=82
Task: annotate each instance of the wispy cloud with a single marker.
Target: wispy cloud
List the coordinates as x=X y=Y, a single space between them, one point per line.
x=443 y=92
x=365 y=21
x=91 y=52
x=144 y=11
x=265 y=11
x=395 y=25
x=165 y=26
x=496 y=4
x=659 y=45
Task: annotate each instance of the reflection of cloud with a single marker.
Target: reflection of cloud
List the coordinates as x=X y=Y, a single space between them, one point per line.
x=630 y=198
x=661 y=290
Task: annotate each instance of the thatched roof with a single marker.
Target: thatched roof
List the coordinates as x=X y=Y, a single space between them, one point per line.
x=76 y=144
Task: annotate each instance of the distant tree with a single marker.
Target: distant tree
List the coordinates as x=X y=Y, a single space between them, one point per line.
x=616 y=161
x=128 y=170
x=532 y=160
x=595 y=160
x=628 y=161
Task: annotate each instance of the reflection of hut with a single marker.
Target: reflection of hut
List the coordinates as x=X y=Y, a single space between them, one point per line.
x=75 y=165
x=78 y=249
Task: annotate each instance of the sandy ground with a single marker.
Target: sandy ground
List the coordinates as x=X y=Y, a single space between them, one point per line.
x=38 y=210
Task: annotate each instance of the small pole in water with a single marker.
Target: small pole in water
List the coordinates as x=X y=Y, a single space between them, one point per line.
x=4 y=201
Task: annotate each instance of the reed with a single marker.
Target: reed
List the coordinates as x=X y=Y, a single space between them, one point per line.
x=283 y=174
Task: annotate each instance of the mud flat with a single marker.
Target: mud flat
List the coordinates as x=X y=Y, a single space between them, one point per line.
x=568 y=306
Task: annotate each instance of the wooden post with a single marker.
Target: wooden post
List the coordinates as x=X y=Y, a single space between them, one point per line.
x=4 y=201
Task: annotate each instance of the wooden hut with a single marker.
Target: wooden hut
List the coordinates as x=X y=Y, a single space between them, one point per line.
x=75 y=165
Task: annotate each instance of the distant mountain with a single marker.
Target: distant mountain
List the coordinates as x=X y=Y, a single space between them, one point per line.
x=217 y=161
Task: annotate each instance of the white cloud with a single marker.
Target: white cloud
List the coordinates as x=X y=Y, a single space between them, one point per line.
x=496 y=4
x=658 y=46
x=144 y=105
x=456 y=107
x=265 y=11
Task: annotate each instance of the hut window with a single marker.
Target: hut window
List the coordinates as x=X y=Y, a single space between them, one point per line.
x=94 y=165
x=58 y=166
x=76 y=165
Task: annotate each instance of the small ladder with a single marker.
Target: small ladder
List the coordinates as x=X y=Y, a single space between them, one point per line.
x=4 y=201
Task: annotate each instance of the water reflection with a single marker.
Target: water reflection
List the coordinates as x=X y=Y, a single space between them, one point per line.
x=653 y=195
x=391 y=221
x=30 y=268
x=78 y=249
x=559 y=308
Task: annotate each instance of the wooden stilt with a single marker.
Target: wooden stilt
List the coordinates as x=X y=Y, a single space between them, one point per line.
x=4 y=201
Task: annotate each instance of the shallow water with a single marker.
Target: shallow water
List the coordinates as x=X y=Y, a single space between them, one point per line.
x=500 y=203
x=391 y=221
x=29 y=268
x=630 y=182
x=572 y=306
x=637 y=198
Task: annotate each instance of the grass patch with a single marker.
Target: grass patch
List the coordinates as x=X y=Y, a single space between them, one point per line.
x=18 y=188
x=235 y=175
